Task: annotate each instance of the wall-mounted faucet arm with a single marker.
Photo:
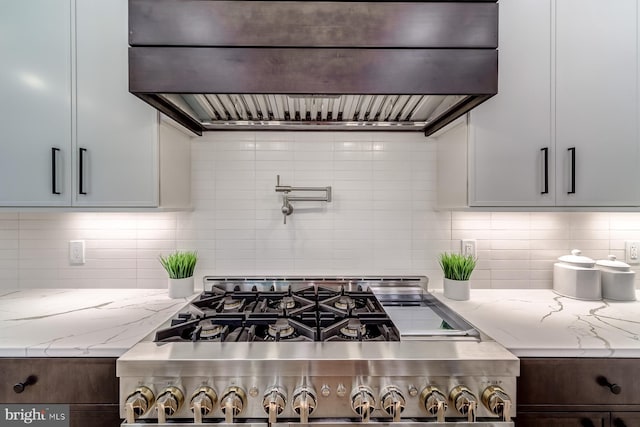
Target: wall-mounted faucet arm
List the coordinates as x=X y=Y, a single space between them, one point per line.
x=287 y=209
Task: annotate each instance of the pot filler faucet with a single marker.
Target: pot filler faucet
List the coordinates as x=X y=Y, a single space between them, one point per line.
x=287 y=208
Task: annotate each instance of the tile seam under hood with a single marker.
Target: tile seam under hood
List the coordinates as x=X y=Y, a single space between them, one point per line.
x=213 y=65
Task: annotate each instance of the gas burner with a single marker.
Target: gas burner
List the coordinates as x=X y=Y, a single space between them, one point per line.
x=354 y=329
x=287 y=303
x=231 y=303
x=281 y=329
x=210 y=330
x=345 y=303
x=281 y=304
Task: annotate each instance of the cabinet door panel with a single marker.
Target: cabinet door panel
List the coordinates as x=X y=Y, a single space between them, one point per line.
x=60 y=380
x=35 y=112
x=118 y=130
x=625 y=419
x=562 y=419
x=508 y=131
x=596 y=102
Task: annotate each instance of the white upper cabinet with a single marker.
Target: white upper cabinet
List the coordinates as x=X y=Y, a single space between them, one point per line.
x=71 y=134
x=35 y=112
x=508 y=133
x=563 y=129
x=117 y=134
x=597 y=102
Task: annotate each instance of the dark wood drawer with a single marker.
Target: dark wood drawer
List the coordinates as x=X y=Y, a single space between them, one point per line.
x=562 y=419
x=60 y=380
x=95 y=415
x=565 y=381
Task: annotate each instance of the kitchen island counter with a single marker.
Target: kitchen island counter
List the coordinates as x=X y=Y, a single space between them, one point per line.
x=541 y=323
x=80 y=322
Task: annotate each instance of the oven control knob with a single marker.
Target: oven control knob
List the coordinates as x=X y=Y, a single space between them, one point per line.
x=232 y=402
x=362 y=402
x=202 y=402
x=392 y=401
x=304 y=402
x=325 y=391
x=274 y=402
x=138 y=403
x=435 y=402
x=464 y=401
x=497 y=401
x=341 y=390
x=169 y=402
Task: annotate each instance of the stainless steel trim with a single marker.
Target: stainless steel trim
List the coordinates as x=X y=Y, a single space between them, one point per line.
x=408 y=358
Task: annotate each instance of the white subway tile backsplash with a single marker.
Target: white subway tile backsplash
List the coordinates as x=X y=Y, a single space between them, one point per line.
x=382 y=221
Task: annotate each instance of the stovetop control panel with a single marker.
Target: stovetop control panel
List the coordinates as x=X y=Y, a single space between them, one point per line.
x=364 y=399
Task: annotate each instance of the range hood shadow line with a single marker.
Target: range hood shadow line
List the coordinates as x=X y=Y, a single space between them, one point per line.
x=402 y=66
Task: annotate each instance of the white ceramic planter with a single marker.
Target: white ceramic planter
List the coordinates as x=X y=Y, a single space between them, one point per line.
x=181 y=288
x=456 y=289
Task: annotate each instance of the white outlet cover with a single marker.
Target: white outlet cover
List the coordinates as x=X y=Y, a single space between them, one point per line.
x=632 y=252
x=468 y=247
x=76 y=252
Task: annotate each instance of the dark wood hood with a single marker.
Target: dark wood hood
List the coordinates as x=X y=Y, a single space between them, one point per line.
x=313 y=65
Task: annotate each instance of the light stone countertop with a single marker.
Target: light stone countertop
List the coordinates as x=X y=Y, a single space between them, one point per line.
x=80 y=322
x=108 y=322
x=541 y=323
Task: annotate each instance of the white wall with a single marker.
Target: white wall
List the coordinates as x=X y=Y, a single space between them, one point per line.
x=382 y=221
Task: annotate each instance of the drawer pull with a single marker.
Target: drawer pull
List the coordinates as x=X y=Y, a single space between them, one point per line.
x=31 y=380
x=615 y=388
x=619 y=423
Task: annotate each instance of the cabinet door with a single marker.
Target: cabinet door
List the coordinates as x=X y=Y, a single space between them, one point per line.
x=35 y=112
x=562 y=419
x=625 y=419
x=117 y=130
x=508 y=132
x=596 y=102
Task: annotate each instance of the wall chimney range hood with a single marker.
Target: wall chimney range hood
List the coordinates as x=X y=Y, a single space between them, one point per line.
x=296 y=65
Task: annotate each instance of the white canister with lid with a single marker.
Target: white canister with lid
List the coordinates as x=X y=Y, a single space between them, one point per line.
x=618 y=280
x=575 y=276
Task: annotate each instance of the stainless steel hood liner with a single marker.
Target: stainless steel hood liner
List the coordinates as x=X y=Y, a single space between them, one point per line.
x=214 y=65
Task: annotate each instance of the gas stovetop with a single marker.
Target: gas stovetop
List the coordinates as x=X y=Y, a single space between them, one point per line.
x=234 y=309
x=282 y=311
x=286 y=351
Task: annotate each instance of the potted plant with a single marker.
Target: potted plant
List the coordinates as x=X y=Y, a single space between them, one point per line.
x=457 y=269
x=180 y=265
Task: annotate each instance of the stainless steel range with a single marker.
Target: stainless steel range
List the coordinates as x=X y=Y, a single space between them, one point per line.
x=321 y=351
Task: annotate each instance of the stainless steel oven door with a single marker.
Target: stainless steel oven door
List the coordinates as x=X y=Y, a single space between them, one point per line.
x=336 y=423
x=398 y=424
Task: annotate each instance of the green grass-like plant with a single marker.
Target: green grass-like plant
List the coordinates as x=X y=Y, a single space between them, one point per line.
x=179 y=265
x=456 y=266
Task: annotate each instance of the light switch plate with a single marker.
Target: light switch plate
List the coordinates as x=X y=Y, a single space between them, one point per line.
x=76 y=252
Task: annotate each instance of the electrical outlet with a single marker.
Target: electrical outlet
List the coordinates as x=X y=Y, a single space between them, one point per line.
x=632 y=251
x=76 y=252
x=468 y=247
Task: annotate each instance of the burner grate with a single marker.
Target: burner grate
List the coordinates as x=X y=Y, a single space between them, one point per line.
x=248 y=312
